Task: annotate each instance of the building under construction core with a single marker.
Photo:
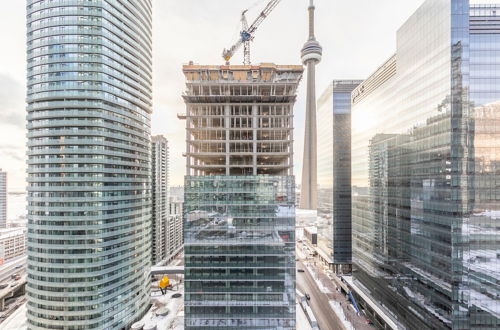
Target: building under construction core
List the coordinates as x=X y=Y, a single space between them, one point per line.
x=240 y=119
x=239 y=196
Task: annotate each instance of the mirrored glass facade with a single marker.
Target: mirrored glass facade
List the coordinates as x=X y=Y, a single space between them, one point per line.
x=89 y=175
x=425 y=139
x=334 y=174
x=239 y=198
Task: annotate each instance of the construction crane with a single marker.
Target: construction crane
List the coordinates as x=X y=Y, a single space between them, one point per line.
x=247 y=34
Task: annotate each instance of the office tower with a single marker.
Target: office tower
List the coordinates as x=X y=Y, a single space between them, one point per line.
x=334 y=174
x=311 y=55
x=3 y=199
x=239 y=201
x=89 y=200
x=160 y=201
x=425 y=146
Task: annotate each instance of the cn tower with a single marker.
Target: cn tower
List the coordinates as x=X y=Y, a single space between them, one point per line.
x=311 y=55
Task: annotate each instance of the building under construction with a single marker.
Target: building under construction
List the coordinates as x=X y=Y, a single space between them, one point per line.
x=239 y=196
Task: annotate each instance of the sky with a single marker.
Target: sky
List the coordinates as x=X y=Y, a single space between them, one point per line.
x=357 y=36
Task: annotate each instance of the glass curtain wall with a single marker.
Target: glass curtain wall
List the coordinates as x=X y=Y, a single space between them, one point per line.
x=240 y=256
x=334 y=174
x=424 y=148
x=89 y=176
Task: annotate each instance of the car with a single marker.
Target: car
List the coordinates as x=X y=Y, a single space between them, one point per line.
x=18 y=266
x=13 y=284
x=308 y=297
x=300 y=270
x=3 y=286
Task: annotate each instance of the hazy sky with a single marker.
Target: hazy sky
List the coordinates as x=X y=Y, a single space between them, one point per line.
x=356 y=35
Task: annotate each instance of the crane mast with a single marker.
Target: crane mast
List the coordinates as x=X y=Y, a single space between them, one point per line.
x=247 y=33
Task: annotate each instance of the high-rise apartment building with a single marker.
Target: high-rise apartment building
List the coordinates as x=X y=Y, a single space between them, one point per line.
x=176 y=193
x=160 y=200
x=239 y=201
x=174 y=229
x=334 y=173
x=3 y=199
x=425 y=146
x=89 y=202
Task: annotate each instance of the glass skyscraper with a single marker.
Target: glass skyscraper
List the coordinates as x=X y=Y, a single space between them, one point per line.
x=89 y=173
x=239 y=199
x=425 y=143
x=334 y=174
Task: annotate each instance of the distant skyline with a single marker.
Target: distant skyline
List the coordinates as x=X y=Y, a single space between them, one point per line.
x=356 y=37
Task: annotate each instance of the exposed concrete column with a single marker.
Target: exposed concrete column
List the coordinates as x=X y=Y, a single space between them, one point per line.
x=188 y=139
x=227 y=124
x=289 y=111
x=255 y=124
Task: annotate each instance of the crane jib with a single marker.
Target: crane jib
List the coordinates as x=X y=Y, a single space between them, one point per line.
x=247 y=33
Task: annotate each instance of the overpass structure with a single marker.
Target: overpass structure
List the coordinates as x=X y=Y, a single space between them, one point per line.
x=13 y=287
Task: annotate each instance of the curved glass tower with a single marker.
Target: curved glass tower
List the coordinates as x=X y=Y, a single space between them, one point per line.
x=89 y=203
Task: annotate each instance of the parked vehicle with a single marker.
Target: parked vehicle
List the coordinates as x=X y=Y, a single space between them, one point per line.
x=308 y=297
x=300 y=270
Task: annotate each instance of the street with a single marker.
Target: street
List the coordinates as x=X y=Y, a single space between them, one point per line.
x=9 y=268
x=326 y=317
x=321 y=306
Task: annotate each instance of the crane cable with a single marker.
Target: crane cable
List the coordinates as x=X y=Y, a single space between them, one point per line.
x=256 y=3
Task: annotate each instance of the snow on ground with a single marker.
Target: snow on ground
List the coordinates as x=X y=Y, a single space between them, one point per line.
x=174 y=305
x=300 y=254
x=302 y=321
x=321 y=287
x=340 y=313
x=178 y=323
x=16 y=321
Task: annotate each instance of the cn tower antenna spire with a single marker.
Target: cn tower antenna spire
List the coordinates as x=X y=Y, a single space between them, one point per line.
x=311 y=55
x=311 y=20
